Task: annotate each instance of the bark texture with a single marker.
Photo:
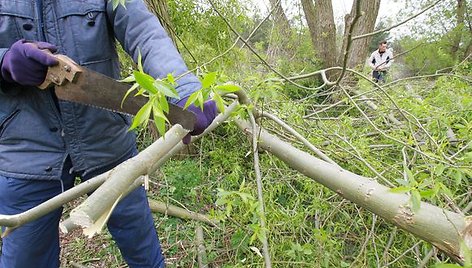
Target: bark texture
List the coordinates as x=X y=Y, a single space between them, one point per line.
x=369 y=11
x=320 y=19
x=457 y=36
x=92 y=213
x=442 y=228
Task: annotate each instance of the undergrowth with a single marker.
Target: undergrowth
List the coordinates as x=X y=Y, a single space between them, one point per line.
x=309 y=225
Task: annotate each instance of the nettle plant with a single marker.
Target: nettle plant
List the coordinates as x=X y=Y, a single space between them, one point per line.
x=159 y=90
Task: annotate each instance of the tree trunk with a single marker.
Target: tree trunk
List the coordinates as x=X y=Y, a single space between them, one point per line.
x=442 y=228
x=320 y=20
x=457 y=32
x=279 y=16
x=366 y=24
x=279 y=39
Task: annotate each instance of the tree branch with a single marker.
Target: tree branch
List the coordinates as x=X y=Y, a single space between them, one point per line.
x=260 y=194
x=431 y=223
x=398 y=24
x=349 y=40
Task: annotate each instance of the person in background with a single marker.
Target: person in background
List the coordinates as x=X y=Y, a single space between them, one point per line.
x=380 y=61
x=45 y=143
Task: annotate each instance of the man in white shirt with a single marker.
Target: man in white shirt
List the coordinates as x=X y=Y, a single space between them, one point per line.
x=380 y=61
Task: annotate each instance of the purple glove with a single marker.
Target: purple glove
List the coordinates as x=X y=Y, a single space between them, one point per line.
x=202 y=118
x=25 y=63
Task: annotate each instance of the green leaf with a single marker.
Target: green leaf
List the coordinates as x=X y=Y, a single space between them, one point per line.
x=131 y=89
x=428 y=194
x=200 y=100
x=228 y=88
x=206 y=93
x=167 y=89
x=115 y=3
x=220 y=104
x=163 y=104
x=467 y=253
x=160 y=125
x=142 y=116
x=129 y=79
x=402 y=182
x=158 y=112
x=400 y=189
x=140 y=62
x=208 y=80
x=439 y=169
x=191 y=99
x=415 y=200
x=409 y=175
x=458 y=176
x=145 y=81
x=445 y=190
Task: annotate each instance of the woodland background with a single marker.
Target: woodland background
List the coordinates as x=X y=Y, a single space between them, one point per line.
x=412 y=134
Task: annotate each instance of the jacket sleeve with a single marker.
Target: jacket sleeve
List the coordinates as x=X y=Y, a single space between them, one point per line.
x=138 y=30
x=371 y=61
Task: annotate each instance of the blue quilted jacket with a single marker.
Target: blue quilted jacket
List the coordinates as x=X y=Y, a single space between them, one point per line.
x=37 y=131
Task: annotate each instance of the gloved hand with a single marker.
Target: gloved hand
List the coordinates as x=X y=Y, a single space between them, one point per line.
x=26 y=64
x=202 y=118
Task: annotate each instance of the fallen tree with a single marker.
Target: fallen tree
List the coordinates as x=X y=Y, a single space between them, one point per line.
x=444 y=229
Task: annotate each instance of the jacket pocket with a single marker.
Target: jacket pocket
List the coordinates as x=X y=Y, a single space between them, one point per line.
x=5 y=120
x=16 y=19
x=87 y=36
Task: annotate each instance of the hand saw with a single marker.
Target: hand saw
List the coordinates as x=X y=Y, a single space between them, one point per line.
x=79 y=84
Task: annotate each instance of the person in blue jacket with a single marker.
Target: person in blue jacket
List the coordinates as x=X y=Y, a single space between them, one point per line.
x=45 y=143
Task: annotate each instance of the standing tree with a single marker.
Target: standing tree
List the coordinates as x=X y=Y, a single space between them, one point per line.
x=279 y=41
x=458 y=30
x=366 y=23
x=320 y=20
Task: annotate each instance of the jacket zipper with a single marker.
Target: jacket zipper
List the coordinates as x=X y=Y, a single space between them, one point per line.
x=39 y=14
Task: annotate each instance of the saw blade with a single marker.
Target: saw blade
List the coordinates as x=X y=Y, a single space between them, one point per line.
x=97 y=90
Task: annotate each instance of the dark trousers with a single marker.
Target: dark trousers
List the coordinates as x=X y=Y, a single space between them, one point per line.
x=379 y=76
x=36 y=244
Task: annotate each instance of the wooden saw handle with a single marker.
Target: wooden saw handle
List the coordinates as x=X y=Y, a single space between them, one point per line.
x=65 y=70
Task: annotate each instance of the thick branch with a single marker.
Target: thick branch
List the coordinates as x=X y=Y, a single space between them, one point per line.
x=14 y=221
x=103 y=200
x=442 y=228
x=171 y=210
x=260 y=195
x=201 y=252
